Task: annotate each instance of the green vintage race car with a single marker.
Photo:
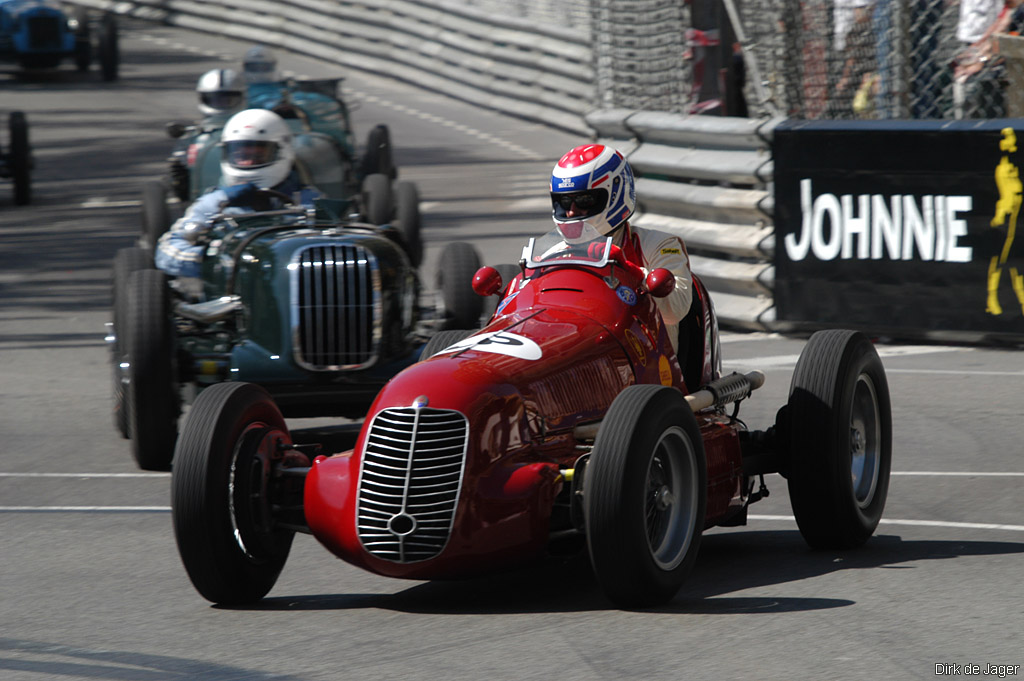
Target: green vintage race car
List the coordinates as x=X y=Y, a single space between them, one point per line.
x=319 y=309
x=326 y=157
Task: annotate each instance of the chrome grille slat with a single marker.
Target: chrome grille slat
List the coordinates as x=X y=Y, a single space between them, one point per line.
x=412 y=465
x=336 y=311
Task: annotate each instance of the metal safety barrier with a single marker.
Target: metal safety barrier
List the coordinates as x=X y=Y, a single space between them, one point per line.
x=503 y=62
x=705 y=178
x=708 y=180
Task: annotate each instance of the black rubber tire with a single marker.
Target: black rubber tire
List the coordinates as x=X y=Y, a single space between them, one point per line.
x=156 y=218
x=649 y=430
x=377 y=158
x=457 y=265
x=153 y=397
x=219 y=487
x=377 y=199
x=126 y=261
x=109 y=48
x=407 y=220
x=83 y=41
x=508 y=272
x=838 y=398
x=19 y=159
x=442 y=339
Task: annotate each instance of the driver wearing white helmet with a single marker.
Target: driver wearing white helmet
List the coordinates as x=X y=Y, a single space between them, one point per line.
x=221 y=94
x=592 y=190
x=257 y=154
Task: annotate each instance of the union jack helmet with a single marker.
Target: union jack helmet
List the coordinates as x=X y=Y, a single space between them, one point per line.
x=595 y=184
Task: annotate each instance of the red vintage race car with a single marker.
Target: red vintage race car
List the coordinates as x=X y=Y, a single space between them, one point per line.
x=568 y=413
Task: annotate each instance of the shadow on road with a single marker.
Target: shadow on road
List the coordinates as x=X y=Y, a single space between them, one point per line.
x=727 y=564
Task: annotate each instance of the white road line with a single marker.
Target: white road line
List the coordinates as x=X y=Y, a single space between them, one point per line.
x=915 y=523
x=103 y=203
x=883 y=351
x=85 y=509
x=958 y=474
x=85 y=475
x=964 y=474
x=955 y=372
x=787 y=518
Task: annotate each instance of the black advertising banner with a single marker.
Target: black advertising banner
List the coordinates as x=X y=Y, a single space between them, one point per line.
x=901 y=226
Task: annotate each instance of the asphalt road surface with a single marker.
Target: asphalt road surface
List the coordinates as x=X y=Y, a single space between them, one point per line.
x=91 y=586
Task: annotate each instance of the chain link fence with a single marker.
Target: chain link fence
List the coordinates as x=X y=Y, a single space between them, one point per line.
x=815 y=59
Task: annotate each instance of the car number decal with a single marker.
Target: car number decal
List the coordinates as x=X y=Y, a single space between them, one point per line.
x=500 y=343
x=626 y=295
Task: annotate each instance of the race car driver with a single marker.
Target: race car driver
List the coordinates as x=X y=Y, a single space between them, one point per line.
x=257 y=153
x=592 y=188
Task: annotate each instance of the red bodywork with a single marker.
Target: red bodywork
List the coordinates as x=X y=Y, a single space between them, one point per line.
x=570 y=343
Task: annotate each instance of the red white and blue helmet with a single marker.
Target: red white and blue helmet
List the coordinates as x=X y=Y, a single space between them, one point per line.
x=596 y=182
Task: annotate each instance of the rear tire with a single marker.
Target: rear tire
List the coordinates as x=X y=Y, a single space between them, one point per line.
x=156 y=218
x=508 y=273
x=378 y=158
x=378 y=202
x=407 y=220
x=153 y=396
x=644 y=496
x=462 y=306
x=220 y=494
x=839 y=425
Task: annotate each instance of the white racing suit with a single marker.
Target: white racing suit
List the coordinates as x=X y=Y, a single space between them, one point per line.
x=652 y=249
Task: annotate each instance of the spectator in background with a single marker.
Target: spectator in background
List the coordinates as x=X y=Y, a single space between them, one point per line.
x=855 y=42
x=975 y=18
x=978 y=75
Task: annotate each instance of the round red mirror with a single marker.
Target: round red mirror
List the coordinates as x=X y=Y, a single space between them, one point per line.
x=486 y=281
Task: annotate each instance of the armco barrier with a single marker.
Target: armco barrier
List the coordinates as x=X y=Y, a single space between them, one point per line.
x=502 y=62
x=706 y=179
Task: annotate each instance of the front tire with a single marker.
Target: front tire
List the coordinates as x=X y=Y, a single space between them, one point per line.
x=20 y=158
x=220 y=501
x=152 y=394
x=109 y=49
x=840 y=440
x=126 y=262
x=645 y=491
x=442 y=339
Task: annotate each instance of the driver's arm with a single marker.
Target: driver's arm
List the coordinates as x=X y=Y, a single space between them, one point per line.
x=177 y=251
x=662 y=250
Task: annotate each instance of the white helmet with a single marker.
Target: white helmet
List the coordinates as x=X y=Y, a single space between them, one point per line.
x=220 y=91
x=260 y=65
x=591 y=186
x=256 y=147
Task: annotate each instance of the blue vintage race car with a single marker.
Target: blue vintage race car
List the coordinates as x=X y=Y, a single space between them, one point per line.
x=38 y=34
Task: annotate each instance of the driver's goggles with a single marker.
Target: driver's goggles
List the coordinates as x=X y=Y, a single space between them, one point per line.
x=583 y=204
x=259 y=66
x=224 y=100
x=250 y=153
